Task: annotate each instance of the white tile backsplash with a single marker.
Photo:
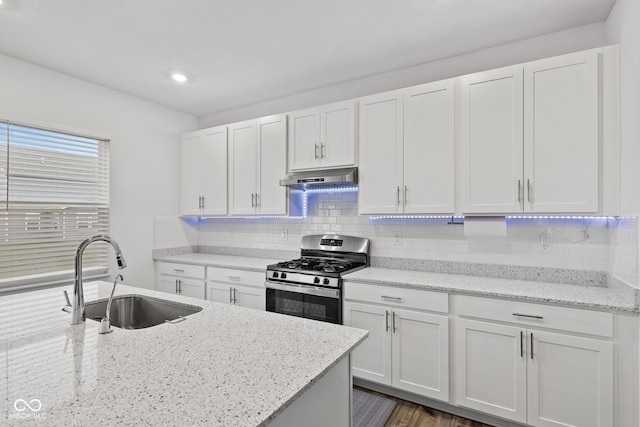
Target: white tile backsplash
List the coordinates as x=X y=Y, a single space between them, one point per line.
x=624 y=250
x=595 y=244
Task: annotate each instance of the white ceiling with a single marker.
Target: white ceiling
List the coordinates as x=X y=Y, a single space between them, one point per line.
x=238 y=52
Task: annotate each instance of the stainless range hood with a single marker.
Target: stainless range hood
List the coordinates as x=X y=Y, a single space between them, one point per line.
x=321 y=178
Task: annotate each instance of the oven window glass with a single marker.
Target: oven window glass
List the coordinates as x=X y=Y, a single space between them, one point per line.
x=308 y=306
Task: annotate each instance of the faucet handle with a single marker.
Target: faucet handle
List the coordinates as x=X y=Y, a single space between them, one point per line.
x=66 y=308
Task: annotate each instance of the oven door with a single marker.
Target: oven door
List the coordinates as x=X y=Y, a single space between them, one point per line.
x=310 y=302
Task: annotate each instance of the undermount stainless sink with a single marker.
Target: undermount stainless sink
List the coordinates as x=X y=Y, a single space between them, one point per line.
x=138 y=312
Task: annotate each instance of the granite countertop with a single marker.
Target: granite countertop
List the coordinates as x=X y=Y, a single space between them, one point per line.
x=613 y=297
x=222 y=261
x=224 y=366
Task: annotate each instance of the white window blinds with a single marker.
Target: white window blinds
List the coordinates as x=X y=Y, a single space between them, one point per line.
x=54 y=190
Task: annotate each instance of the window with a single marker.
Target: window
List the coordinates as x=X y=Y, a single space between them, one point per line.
x=54 y=193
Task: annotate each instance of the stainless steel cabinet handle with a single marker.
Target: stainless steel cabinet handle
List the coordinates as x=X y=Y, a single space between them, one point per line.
x=322 y=150
x=386 y=319
x=233 y=277
x=391 y=298
x=235 y=295
x=405 y=194
x=253 y=203
x=202 y=197
x=394 y=322
x=530 y=316
x=257 y=200
x=528 y=190
x=521 y=346
x=398 y=196
x=178 y=270
x=230 y=295
x=315 y=154
x=519 y=191
x=177 y=286
x=531 y=345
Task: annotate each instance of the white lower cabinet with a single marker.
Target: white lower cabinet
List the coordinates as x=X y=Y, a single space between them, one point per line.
x=406 y=349
x=530 y=375
x=181 y=279
x=243 y=288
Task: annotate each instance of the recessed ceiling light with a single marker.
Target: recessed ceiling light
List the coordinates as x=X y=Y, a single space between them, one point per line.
x=181 y=78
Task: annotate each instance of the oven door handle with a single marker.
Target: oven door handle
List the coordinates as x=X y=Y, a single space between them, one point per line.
x=304 y=289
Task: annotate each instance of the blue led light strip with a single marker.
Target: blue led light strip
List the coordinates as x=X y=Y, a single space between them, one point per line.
x=305 y=204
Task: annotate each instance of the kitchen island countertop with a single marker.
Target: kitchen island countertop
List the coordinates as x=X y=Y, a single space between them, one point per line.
x=223 y=366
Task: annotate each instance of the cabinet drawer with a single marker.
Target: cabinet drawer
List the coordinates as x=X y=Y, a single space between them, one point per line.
x=181 y=270
x=537 y=315
x=230 y=275
x=396 y=296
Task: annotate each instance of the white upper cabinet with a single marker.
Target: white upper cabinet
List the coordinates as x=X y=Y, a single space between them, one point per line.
x=272 y=146
x=561 y=134
x=429 y=139
x=491 y=136
x=529 y=137
x=257 y=161
x=323 y=137
x=407 y=150
x=380 y=157
x=204 y=172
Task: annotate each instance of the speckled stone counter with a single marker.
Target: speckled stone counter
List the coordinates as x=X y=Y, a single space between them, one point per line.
x=224 y=366
x=620 y=297
x=222 y=261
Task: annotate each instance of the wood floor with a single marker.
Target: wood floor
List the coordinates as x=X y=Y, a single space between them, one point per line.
x=408 y=414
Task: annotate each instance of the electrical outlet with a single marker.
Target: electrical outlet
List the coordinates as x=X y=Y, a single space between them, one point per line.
x=397 y=238
x=545 y=242
x=285 y=235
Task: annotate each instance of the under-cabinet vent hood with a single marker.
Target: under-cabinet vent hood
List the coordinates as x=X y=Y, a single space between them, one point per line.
x=321 y=178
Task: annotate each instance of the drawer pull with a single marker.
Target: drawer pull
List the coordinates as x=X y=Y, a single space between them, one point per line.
x=521 y=346
x=530 y=316
x=178 y=270
x=391 y=298
x=233 y=277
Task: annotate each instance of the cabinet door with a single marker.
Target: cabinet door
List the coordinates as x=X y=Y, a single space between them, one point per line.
x=421 y=353
x=562 y=134
x=491 y=369
x=272 y=143
x=304 y=139
x=491 y=141
x=429 y=148
x=242 y=168
x=250 y=297
x=191 y=288
x=168 y=284
x=192 y=175
x=380 y=170
x=220 y=292
x=371 y=360
x=214 y=156
x=570 y=381
x=338 y=134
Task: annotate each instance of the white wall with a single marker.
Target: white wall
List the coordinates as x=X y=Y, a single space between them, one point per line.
x=623 y=27
x=144 y=148
x=580 y=38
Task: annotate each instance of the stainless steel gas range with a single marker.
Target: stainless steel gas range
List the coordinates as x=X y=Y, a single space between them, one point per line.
x=311 y=286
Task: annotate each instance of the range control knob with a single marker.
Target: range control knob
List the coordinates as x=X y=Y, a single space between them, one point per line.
x=325 y=281
x=316 y=280
x=275 y=274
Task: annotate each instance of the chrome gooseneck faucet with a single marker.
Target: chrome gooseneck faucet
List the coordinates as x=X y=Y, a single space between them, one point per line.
x=77 y=305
